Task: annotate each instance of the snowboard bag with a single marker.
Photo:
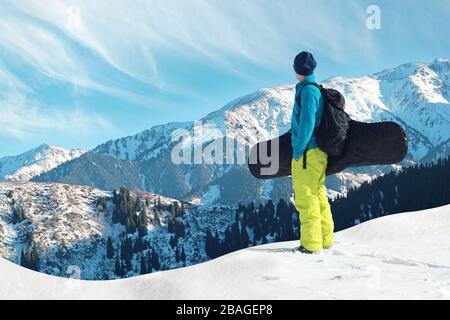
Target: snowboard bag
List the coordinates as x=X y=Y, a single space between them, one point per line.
x=367 y=144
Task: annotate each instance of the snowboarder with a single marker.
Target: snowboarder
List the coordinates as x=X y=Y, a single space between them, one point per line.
x=309 y=162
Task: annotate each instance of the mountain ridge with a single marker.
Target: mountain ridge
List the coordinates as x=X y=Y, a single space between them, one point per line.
x=27 y=165
x=415 y=95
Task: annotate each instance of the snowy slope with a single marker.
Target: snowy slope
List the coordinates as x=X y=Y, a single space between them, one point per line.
x=32 y=163
x=405 y=256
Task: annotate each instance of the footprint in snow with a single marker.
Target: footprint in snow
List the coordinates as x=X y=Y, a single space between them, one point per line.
x=270 y=278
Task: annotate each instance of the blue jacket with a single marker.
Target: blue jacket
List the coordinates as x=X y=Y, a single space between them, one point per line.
x=305 y=120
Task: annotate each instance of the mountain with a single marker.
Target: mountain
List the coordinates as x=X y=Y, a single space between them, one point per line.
x=404 y=256
x=415 y=95
x=30 y=164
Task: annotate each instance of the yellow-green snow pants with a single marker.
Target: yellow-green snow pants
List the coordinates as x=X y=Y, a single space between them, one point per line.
x=316 y=221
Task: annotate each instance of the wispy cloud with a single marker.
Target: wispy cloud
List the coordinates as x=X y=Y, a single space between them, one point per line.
x=40 y=49
x=133 y=36
x=22 y=120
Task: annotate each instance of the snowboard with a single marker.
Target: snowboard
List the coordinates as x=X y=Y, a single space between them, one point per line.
x=367 y=144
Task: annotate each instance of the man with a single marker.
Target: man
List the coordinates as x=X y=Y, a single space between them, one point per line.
x=308 y=177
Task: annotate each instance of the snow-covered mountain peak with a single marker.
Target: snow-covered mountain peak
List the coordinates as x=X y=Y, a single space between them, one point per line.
x=263 y=115
x=398 y=73
x=427 y=80
x=32 y=163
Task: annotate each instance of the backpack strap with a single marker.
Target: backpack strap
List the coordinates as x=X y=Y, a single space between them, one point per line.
x=299 y=105
x=299 y=101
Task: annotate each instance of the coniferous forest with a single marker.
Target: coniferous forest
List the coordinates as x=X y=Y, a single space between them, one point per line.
x=415 y=188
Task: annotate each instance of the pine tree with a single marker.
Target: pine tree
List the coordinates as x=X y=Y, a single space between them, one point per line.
x=170 y=226
x=137 y=245
x=235 y=237
x=143 y=269
x=130 y=225
x=158 y=205
x=137 y=205
x=177 y=255
x=34 y=260
x=180 y=229
x=23 y=260
x=244 y=239
x=122 y=250
x=209 y=244
x=175 y=210
x=156 y=217
x=128 y=252
x=18 y=214
x=143 y=220
x=149 y=263
x=155 y=261
x=118 y=268
x=116 y=216
x=109 y=249
x=216 y=247
x=227 y=241
x=173 y=241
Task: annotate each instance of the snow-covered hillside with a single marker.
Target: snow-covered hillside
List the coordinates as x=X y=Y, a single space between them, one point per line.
x=416 y=95
x=405 y=256
x=56 y=216
x=70 y=226
x=32 y=163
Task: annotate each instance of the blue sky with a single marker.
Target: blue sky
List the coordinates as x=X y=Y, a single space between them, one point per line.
x=77 y=73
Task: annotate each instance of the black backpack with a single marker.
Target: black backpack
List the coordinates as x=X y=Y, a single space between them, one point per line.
x=333 y=128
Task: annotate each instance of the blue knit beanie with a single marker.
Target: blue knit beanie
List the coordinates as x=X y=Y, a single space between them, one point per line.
x=305 y=64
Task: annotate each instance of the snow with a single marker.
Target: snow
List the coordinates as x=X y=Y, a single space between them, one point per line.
x=142 y=146
x=404 y=256
x=32 y=163
x=61 y=216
